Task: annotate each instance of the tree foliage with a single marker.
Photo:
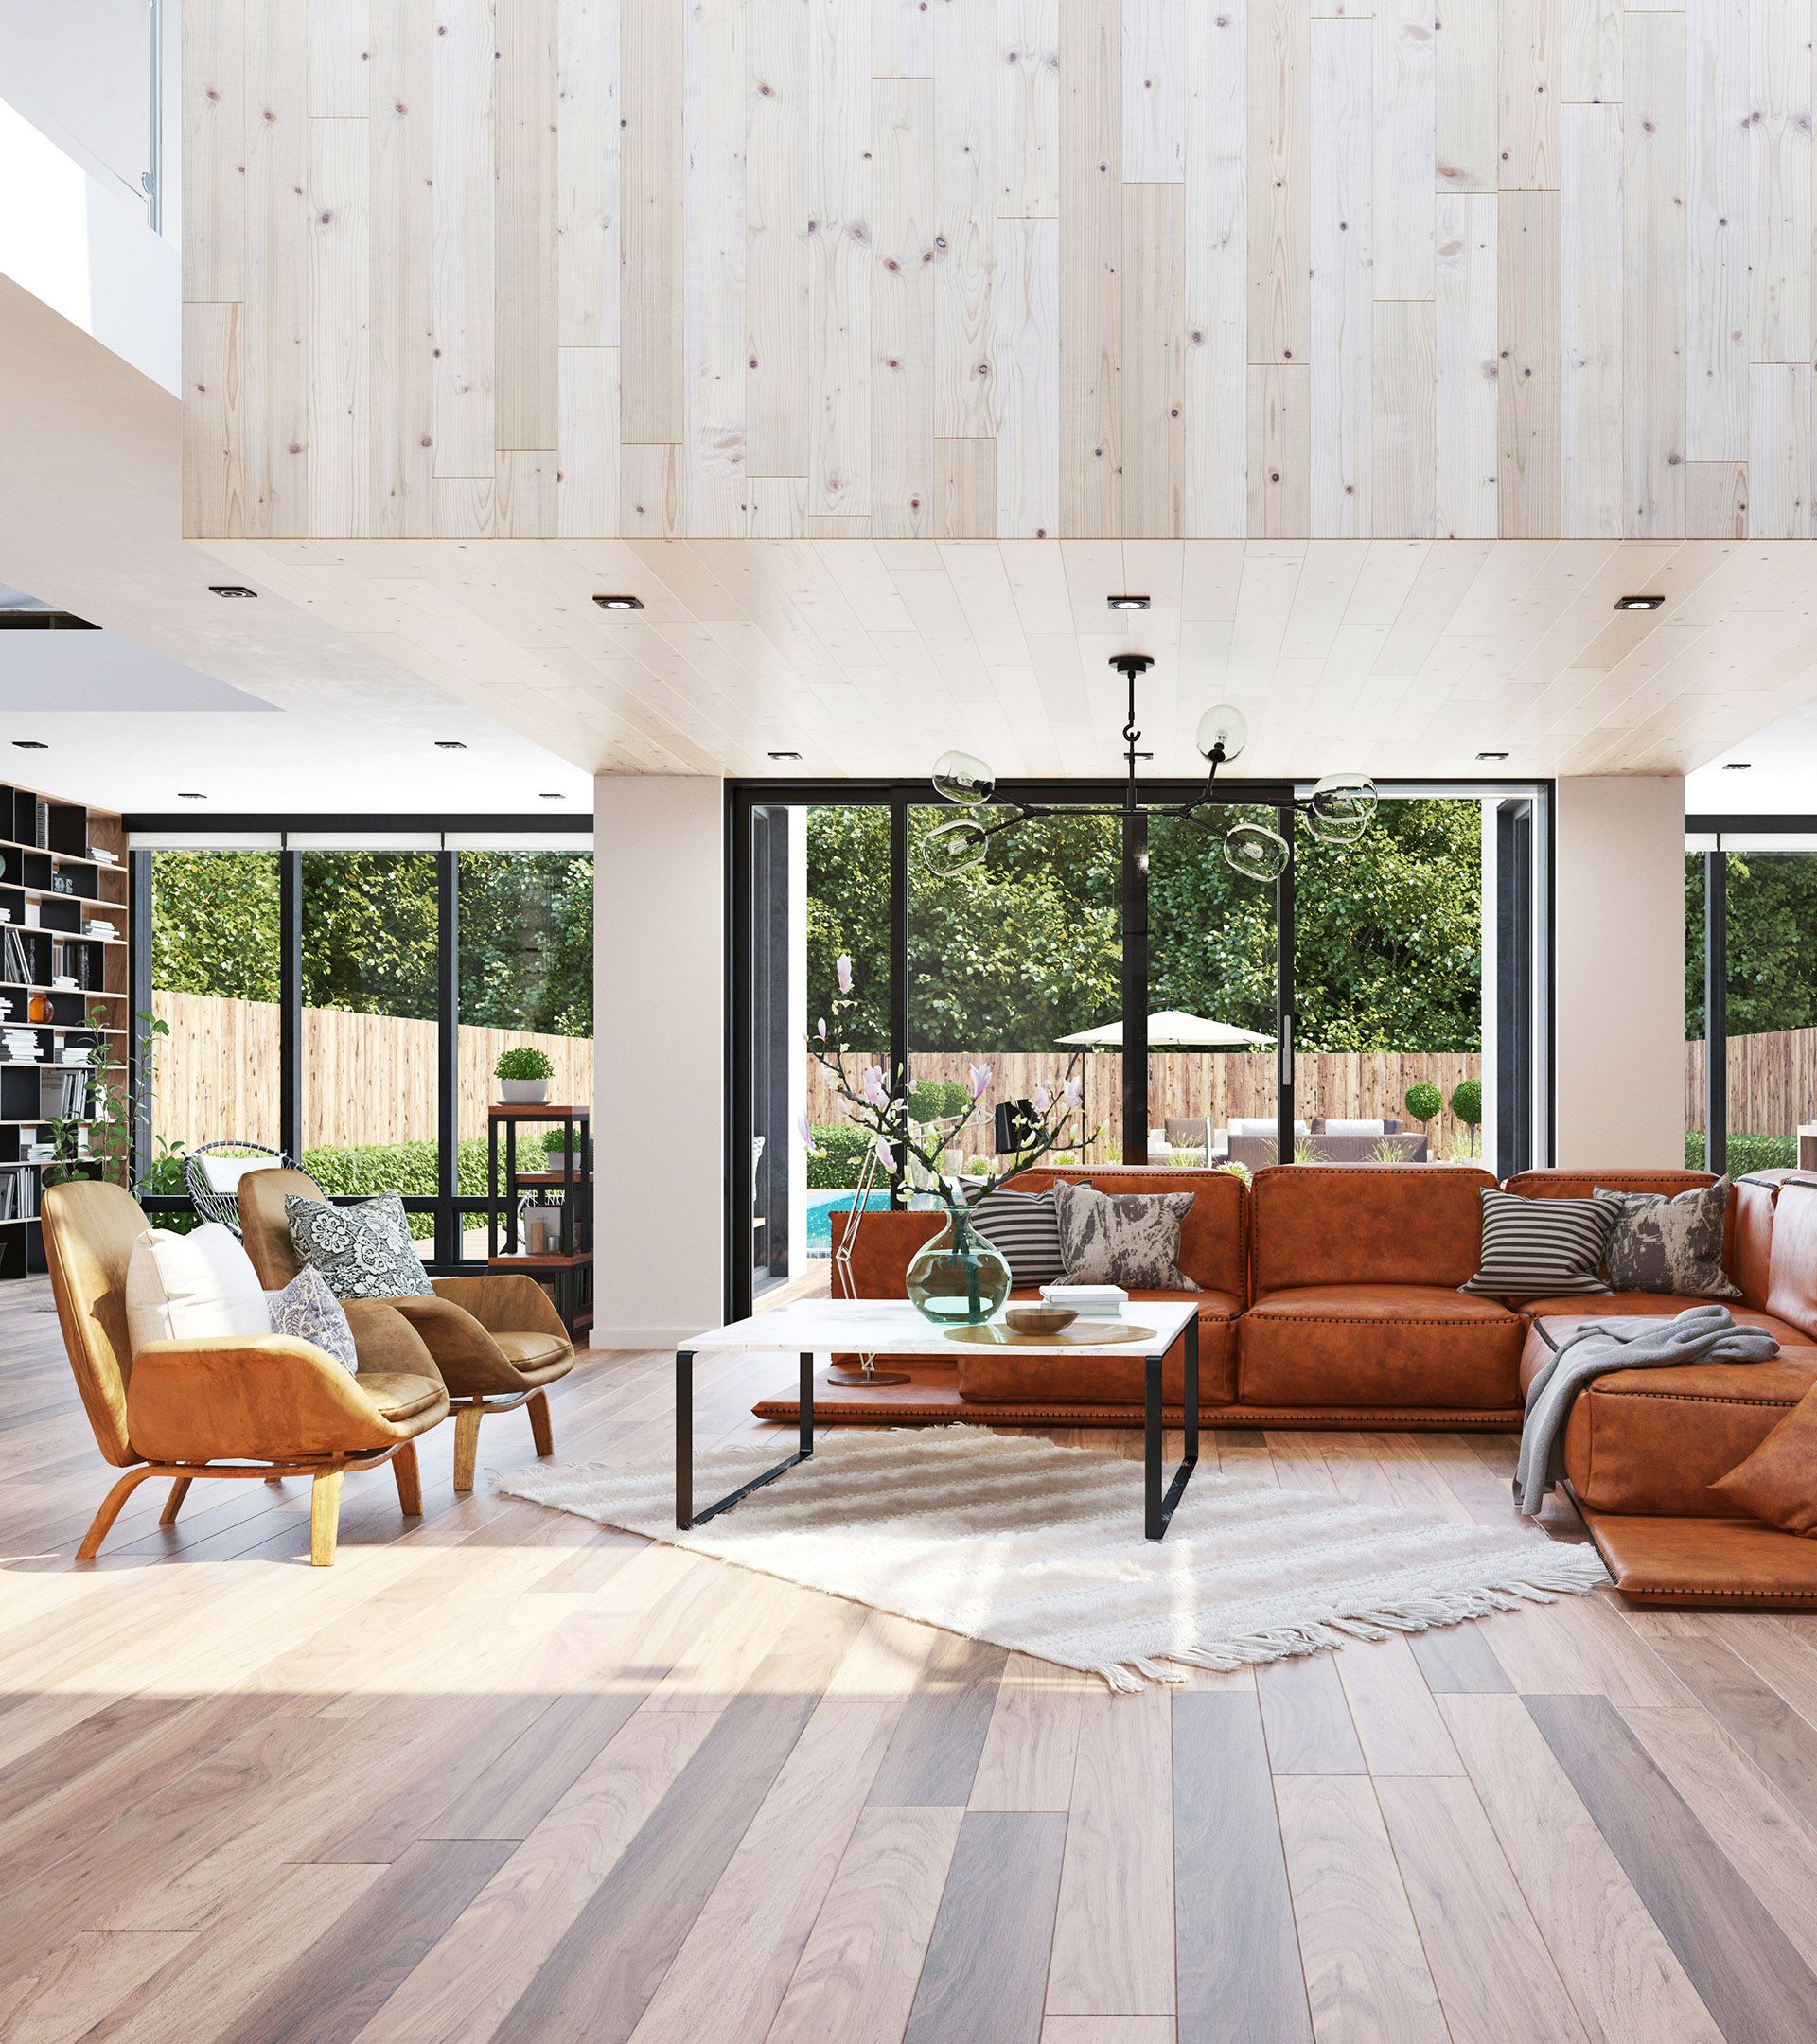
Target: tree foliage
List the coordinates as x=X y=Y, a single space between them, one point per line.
x=1771 y=899
x=369 y=933
x=1028 y=947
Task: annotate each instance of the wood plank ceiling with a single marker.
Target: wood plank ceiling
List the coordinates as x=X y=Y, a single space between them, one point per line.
x=998 y=270
x=871 y=657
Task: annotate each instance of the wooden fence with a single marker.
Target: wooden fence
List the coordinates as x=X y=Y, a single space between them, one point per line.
x=366 y=1079
x=1349 y=1086
x=1773 y=1081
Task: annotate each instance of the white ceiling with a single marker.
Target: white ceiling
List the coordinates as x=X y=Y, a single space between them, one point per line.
x=89 y=520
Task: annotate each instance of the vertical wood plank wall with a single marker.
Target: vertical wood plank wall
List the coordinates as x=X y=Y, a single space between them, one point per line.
x=975 y=269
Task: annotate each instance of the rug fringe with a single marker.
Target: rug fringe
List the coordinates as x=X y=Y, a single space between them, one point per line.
x=1414 y=1615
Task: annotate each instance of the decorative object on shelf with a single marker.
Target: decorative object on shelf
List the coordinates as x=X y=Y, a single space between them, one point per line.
x=959 y=1277
x=1337 y=812
x=524 y=1074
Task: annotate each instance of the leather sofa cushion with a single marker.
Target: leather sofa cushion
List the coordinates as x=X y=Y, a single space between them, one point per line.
x=1213 y=1235
x=1394 y=1346
x=1778 y=1481
x=532 y=1352
x=1366 y=1223
x=1005 y=1375
x=1655 y=1441
x=1564 y=1315
x=401 y=1397
x=1791 y=1291
x=1733 y=1563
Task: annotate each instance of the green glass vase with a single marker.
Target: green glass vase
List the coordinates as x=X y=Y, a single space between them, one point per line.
x=958 y=1278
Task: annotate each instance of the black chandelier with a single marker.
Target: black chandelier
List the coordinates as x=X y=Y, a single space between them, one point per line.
x=1337 y=812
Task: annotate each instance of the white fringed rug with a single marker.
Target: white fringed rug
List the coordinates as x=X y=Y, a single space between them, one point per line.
x=1040 y=1548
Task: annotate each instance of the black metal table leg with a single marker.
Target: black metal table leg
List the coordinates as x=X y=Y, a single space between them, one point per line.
x=1158 y=1508
x=685 y=1515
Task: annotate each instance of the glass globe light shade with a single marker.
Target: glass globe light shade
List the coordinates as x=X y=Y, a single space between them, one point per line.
x=1338 y=831
x=1221 y=725
x=1256 y=852
x=954 y=848
x=1345 y=798
x=960 y=778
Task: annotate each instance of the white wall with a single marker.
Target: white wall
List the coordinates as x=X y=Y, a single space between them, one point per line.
x=660 y=1029
x=1619 y=984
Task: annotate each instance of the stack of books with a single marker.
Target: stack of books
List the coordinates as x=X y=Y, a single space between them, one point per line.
x=20 y=1046
x=1086 y=1299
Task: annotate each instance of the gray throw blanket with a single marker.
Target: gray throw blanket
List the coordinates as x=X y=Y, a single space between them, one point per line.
x=1700 y=1335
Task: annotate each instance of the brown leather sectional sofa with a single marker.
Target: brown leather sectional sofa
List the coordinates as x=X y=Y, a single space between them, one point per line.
x=1329 y=1299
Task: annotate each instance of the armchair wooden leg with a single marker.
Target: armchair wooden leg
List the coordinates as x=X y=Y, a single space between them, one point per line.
x=324 y=1517
x=541 y=1428
x=110 y=1512
x=467 y=1447
x=174 y=1504
x=410 y=1482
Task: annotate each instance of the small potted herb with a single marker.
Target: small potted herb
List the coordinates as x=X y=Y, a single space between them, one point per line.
x=524 y=1074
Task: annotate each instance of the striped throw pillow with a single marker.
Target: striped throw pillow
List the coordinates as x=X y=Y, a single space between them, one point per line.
x=1544 y=1248
x=1025 y=1230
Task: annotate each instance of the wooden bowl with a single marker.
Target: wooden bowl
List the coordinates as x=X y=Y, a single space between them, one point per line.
x=1040 y=1319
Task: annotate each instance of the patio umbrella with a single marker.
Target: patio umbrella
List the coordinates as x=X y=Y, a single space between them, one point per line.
x=1174 y=1030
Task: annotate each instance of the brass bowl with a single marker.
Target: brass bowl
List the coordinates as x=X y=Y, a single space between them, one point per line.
x=1040 y=1319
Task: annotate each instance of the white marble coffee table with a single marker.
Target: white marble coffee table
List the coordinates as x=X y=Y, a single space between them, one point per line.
x=893 y=1328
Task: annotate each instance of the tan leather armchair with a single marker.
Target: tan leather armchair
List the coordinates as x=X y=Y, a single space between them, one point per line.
x=259 y=1406
x=496 y=1340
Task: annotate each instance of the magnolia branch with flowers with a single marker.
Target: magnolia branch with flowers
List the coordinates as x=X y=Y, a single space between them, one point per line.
x=880 y=1107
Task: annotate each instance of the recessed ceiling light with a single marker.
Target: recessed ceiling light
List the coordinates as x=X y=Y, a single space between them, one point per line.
x=186 y=794
x=450 y=745
x=31 y=744
x=230 y=588
x=1638 y=603
x=784 y=755
x=1492 y=755
x=551 y=795
x=619 y=603
x=1737 y=765
x=1127 y=603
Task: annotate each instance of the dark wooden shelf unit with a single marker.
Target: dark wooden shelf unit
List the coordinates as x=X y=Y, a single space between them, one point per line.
x=51 y=884
x=568 y=1270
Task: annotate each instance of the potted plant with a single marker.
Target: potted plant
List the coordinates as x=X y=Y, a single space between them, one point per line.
x=1423 y=1102
x=524 y=1074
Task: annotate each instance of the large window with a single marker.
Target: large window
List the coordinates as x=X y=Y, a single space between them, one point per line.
x=1361 y=977
x=1749 y=998
x=347 y=1005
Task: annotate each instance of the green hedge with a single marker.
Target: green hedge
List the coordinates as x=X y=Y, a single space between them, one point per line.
x=1746 y=1153
x=838 y=1157
x=362 y=1169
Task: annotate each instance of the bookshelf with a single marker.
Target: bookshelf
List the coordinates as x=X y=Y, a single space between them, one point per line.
x=56 y=963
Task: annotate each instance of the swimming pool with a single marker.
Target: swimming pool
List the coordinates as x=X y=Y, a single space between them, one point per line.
x=820 y=1207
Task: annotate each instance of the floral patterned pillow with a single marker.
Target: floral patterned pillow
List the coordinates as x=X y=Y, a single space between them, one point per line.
x=309 y=1309
x=1128 y=1239
x=362 y=1251
x=1672 y=1246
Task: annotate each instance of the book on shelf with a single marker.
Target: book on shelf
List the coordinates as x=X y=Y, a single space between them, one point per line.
x=15 y=964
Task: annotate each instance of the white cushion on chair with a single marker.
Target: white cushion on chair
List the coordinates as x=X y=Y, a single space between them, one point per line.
x=223 y=1174
x=190 y=1287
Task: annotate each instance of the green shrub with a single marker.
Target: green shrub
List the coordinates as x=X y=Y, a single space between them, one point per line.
x=365 y=1168
x=523 y=1061
x=1467 y=1103
x=938 y=1099
x=1423 y=1100
x=1746 y=1153
x=838 y=1156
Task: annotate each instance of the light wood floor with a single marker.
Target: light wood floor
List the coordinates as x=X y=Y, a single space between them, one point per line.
x=504 y=1774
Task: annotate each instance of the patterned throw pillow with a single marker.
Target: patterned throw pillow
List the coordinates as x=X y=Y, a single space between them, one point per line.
x=1542 y=1248
x=362 y=1251
x=309 y=1309
x=1674 y=1245
x=1024 y=1228
x=1128 y=1239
